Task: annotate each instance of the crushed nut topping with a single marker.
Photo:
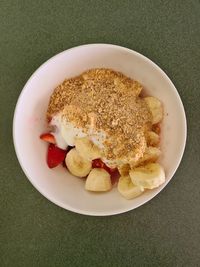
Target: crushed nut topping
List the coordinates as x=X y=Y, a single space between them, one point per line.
x=107 y=101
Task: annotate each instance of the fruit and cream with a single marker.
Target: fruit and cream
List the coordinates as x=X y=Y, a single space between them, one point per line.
x=66 y=133
x=102 y=129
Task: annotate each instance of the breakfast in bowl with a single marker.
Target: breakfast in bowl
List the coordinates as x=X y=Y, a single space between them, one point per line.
x=90 y=108
x=103 y=128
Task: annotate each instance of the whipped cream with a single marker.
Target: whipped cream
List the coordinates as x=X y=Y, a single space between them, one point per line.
x=66 y=132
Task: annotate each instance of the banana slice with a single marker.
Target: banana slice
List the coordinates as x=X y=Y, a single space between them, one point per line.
x=155 y=107
x=124 y=169
x=151 y=154
x=98 y=180
x=87 y=149
x=153 y=139
x=76 y=164
x=149 y=176
x=127 y=189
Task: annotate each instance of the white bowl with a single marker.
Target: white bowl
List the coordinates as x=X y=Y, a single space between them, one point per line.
x=57 y=184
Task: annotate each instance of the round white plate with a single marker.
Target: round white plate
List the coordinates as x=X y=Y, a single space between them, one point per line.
x=57 y=184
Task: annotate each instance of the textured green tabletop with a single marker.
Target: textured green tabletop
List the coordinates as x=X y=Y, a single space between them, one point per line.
x=163 y=232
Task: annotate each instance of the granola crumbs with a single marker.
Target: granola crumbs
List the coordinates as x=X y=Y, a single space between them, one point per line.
x=105 y=100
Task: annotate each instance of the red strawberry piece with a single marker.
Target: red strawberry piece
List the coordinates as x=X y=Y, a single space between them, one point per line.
x=55 y=156
x=156 y=128
x=97 y=163
x=49 y=119
x=114 y=175
x=48 y=138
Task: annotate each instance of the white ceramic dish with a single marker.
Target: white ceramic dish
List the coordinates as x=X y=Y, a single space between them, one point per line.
x=57 y=184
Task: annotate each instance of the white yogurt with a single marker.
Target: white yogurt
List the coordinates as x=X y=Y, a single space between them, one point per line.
x=66 y=132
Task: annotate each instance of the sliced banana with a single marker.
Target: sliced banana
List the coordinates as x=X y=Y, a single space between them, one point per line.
x=76 y=164
x=87 y=149
x=155 y=107
x=124 y=169
x=127 y=189
x=151 y=154
x=98 y=180
x=149 y=176
x=153 y=139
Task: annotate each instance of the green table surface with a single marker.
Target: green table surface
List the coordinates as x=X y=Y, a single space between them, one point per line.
x=163 y=232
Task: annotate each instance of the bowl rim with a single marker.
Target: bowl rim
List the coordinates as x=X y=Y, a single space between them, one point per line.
x=66 y=206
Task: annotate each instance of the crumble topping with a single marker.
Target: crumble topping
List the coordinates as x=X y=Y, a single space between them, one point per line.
x=105 y=100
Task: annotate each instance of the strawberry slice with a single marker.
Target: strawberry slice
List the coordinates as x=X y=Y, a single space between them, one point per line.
x=156 y=128
x=98 y=163
x=48 y=138
x=49 y=119
x=114 y=173
x=55 y=156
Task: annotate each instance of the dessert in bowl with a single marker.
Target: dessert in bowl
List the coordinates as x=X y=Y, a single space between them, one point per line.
x=102 y=127
x=106 y=130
